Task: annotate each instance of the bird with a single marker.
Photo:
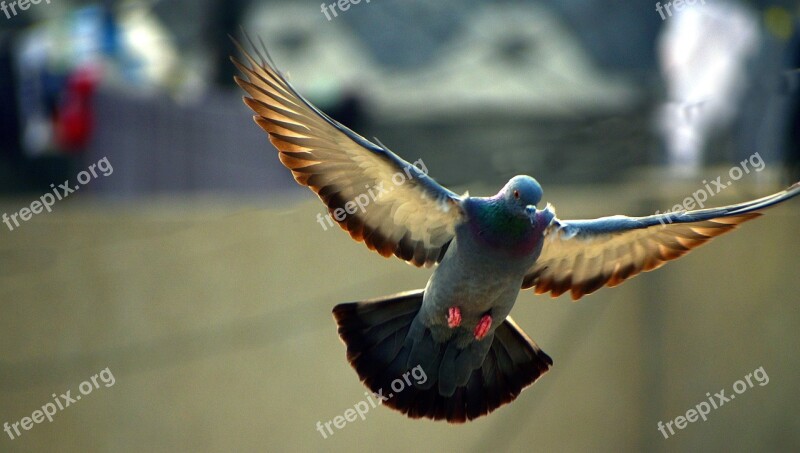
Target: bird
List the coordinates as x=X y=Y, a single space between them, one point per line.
x=484 y=251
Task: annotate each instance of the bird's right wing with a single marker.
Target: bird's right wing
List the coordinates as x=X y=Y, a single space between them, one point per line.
x=390 y=204
x=582 y=256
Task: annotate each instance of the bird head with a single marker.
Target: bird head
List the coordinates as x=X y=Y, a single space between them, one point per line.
x=521 y=192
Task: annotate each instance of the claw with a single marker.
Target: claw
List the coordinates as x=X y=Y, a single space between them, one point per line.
x=483 y=327
x=453 y=317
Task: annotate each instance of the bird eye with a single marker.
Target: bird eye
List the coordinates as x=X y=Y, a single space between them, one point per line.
x=516 y=194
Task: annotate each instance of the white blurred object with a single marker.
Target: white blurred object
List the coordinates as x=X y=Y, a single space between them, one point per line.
x=149 y=48
x=37 y=133
x=703 y=53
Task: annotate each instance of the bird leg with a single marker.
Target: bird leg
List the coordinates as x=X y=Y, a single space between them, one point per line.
x=453 y=317
x=483 y=327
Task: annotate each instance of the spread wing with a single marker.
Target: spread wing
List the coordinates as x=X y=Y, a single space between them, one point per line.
x=581 y=256
x=390 y=204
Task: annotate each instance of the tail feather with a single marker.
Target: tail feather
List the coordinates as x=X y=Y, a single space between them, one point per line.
x=381 y=335
x=427 y=352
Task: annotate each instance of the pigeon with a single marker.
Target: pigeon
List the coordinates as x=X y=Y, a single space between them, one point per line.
x=457 y=330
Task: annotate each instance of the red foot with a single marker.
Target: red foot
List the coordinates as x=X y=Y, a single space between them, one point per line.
x=453 y=317
x=483 y=327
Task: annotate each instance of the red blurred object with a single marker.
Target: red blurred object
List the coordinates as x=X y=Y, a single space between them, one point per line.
x=73 y=116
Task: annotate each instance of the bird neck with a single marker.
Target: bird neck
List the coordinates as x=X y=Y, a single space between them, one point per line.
x=494 y=223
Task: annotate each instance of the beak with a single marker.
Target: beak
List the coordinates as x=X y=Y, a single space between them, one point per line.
x=530 y=210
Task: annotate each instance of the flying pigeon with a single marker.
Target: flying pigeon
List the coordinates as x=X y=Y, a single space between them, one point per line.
x=458 y=329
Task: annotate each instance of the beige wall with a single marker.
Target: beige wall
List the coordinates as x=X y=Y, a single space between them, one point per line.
x=214 y=318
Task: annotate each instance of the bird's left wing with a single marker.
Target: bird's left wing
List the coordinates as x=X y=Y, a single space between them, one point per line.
x=582 y=256
x=390 y=204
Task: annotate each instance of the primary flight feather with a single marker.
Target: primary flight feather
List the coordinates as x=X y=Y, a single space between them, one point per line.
x=457 y=329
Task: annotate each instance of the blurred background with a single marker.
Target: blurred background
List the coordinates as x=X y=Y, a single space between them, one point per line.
x=193 y=267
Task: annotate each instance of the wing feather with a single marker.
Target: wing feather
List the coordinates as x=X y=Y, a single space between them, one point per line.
x=414 y=221
x=582 y=256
